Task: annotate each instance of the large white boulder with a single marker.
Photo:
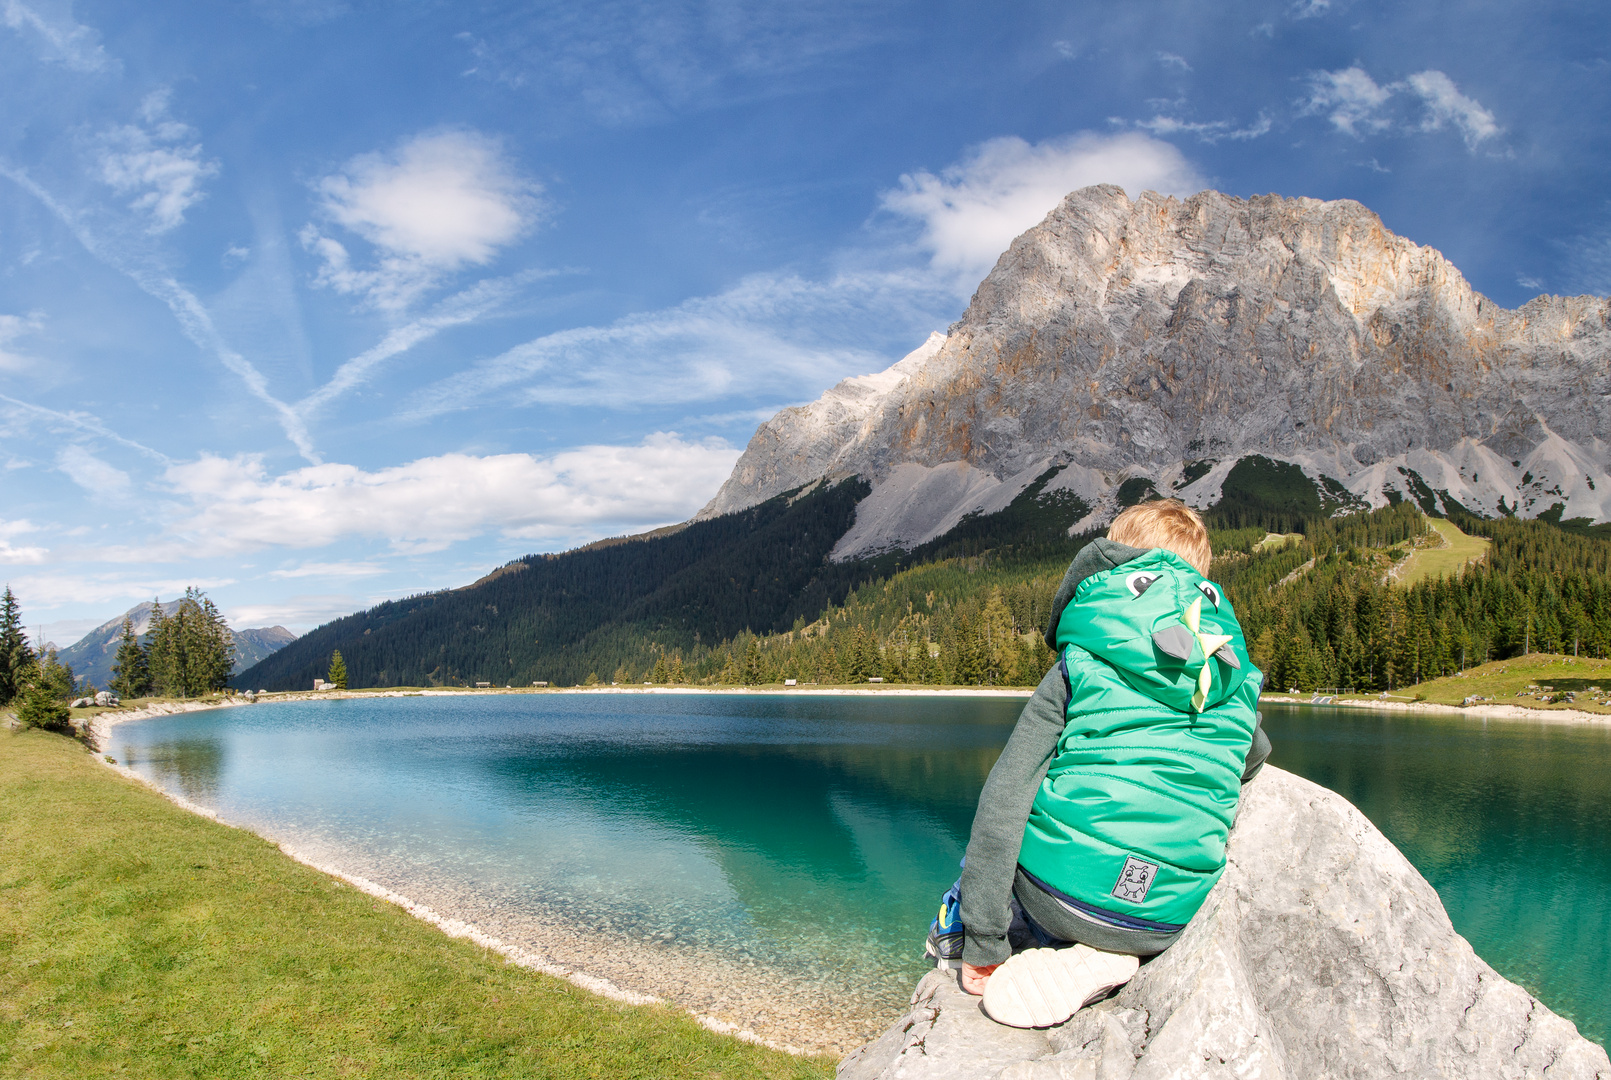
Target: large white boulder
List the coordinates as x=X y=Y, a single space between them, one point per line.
x=1322 y=953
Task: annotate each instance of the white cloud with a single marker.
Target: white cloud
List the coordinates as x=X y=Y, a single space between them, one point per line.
x=91 y=473
x=159 y=161
x=1168 y=59
x=13 y=327
x=330 y=570
x=428 y=504
x=973 y=210
x=1351 y=98
x=1527 y=282
x=1446 y=104
x=68 y=587
x=73 y=45
x=1357 y=105
x=439 y=203
x=11 y=553
x=1310 y=9
x=299 y=613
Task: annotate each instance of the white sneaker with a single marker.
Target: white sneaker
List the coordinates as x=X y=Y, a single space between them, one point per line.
x=1041 y=987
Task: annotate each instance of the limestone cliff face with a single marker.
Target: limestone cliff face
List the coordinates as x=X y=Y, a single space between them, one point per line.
x=1321 y=954
x=1129 y=339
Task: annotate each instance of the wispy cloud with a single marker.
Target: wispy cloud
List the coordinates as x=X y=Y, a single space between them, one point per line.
x=439 y=203
x=91 y=473
x=766 y=334
x=465 y=307
x=972 y=210
x=11 y=554
x=79 y=421
x=1209 y=131
x=77 y=587
x=1446 y=104
x=159 y=161
x=1350 y=98
x=425 y=505
x=1169 y=59
x=330 y=570
x=13 y=327
x=620 y=62
x=66 y=42
x=1357 y=105
x=192 y=316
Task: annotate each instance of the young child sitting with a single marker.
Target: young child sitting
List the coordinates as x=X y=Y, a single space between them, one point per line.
x=1103 y=824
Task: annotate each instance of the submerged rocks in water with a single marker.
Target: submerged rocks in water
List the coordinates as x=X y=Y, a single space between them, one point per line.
x=1321 y=953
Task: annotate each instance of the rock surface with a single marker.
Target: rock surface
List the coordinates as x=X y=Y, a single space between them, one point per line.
x=1320 y=954
x=1130 y=339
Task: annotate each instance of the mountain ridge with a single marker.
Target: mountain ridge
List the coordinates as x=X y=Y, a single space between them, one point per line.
x=92 y=656
x=1165 y=340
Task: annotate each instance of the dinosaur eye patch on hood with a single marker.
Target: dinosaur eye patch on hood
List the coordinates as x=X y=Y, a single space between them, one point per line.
x=1170 y=633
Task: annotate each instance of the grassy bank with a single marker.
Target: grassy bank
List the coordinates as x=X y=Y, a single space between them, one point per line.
x=140 y=940
x=1535 y=681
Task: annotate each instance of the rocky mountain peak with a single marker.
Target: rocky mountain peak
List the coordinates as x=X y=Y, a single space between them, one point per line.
x=1167 y=339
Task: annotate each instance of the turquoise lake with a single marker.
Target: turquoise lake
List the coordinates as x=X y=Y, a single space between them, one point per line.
x=728 y=850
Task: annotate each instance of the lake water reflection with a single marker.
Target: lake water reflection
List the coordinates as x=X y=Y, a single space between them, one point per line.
x=809 y=836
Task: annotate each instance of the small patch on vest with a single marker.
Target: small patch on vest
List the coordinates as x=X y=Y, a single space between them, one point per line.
x=1135 y=879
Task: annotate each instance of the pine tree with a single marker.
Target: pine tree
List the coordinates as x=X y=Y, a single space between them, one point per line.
x=338 y=671
x=191 y=651
x=159 y=652
x=39 y=700
x=753 y=673
x=131 y=673
x=218 y=660
x=16 y=658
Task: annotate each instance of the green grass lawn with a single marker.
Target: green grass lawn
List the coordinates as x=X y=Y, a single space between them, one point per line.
x=140 y=940
x=1521 y=680
x=1456 y=551
x=1275 y=540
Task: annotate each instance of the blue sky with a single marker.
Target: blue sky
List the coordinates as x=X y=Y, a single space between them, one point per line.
x=316 y=303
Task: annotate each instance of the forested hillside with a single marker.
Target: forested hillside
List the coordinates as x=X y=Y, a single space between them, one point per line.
x=561 y=618
x=613 y=609
x=1340 y=623
x=1323 y=610
x=751 y=598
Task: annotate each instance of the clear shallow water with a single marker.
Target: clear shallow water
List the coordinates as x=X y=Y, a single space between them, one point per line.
x=811 y=836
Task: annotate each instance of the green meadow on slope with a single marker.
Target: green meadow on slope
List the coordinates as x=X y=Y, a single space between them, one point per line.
x=137 y=939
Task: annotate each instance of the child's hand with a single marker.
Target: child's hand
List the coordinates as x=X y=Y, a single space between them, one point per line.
x=974 y=978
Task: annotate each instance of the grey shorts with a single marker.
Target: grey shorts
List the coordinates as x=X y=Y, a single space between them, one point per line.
x=1050 y=921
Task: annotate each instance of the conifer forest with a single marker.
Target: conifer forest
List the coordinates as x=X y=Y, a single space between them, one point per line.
x=751 y=599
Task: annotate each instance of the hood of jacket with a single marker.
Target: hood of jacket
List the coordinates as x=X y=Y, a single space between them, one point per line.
x=1169 y=632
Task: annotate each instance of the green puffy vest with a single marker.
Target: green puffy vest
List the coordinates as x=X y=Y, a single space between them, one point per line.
x=1131 y=821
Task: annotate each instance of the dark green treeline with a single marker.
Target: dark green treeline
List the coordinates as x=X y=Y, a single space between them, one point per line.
x=1341 y=623
x=1323 y=611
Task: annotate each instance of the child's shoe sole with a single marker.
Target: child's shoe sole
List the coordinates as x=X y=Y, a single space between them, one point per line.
x=1041 y=987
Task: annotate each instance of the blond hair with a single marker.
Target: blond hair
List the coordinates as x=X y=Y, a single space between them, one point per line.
x=1165 y=523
